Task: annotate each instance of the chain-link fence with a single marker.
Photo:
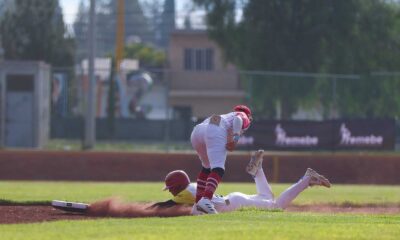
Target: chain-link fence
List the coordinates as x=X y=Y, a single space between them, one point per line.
x=138 y=106
x=131 y=106
x=305 y=96
x=127 y=97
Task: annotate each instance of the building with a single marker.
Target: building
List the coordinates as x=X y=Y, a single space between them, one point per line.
x=24 y=103
x=201 y=82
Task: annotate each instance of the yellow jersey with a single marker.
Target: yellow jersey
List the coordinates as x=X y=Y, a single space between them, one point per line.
x=187 y=196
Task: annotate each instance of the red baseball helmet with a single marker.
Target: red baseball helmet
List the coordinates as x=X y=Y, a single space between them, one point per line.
x=176 y=181
x=243 y=108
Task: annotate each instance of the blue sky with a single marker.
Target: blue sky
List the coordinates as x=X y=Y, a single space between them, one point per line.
x=70 y=7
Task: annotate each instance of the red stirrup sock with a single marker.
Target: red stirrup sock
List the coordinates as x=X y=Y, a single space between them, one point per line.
x=201 y=184
x=212 y=184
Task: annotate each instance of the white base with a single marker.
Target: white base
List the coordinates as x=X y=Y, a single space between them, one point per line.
x=64 y=204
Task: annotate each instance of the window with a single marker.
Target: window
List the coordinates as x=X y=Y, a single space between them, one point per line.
x=20 y=83
x=188 y=59
x=200 y=59
x=209 y=59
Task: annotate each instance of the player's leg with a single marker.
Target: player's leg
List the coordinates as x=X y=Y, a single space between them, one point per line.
x=215 y=142
x=262 y=185
x=311 y=178
x=201 y=182
x=254 y=168
x=198 y=142
x=216 y=138
x=292 y=192
x=214 y=178
x=236 y=200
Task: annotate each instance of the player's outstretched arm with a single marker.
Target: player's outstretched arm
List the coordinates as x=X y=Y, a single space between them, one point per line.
x=165 y=204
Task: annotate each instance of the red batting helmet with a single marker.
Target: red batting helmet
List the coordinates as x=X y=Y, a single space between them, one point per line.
x=243 y=108
x=176 y=181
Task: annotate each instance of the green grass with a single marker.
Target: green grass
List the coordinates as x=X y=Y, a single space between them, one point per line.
x=250 y=224
x=23 y=191
x=246 y=224
x=163 y=146
x=68 y=145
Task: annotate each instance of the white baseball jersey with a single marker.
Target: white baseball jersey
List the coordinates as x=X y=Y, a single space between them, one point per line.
x=209 y=140
x=226 y=203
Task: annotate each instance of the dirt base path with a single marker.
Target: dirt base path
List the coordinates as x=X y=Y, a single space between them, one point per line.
x=359 y=209
x=38 y=213
x=31 y=214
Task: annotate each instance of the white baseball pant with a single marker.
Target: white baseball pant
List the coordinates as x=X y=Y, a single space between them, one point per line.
x=209 y=141
x=264 y=198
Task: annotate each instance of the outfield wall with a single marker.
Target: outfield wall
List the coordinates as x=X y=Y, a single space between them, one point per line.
x=116 y=166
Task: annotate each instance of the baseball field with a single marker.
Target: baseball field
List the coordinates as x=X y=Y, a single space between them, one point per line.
x=363 y=203
x=342 y=212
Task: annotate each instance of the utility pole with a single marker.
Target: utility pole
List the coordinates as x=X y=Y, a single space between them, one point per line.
x=334 y=106
x=119 y=54
x=120 y=38
x=90 y=116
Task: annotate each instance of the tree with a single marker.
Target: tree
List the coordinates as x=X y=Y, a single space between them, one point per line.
x=371 y=46
x=272 y=36
x=34 y=30
x=148 y=56
x=153 y=10
x=137 y=28
x=80 y=27
x=344 y=36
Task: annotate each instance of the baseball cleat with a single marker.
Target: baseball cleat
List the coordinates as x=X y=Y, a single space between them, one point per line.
x=316 y=179
x=255 y=162
x=195 y=212
x=70 y=206
x=205 y=206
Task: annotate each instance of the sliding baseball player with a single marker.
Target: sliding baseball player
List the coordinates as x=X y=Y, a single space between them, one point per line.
x=183 y=192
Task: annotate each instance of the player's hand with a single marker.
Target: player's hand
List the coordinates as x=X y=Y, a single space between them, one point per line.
x=231 y=141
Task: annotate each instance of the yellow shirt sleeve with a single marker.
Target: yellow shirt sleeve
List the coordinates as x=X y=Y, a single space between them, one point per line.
x=184 y=197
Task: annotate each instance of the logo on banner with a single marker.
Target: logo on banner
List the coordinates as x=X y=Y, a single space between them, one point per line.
x=246 y=140
x=283 y=140
x=348 y=140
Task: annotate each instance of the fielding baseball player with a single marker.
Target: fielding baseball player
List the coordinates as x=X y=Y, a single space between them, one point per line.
x=184 y=192
x=212 y=139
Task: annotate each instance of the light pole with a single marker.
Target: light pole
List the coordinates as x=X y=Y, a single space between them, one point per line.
x=2 y=102
x=90 y=115
x=1 y=52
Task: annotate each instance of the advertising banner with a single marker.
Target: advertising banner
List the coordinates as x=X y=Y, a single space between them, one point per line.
x=364 y=134
x=375 y=134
